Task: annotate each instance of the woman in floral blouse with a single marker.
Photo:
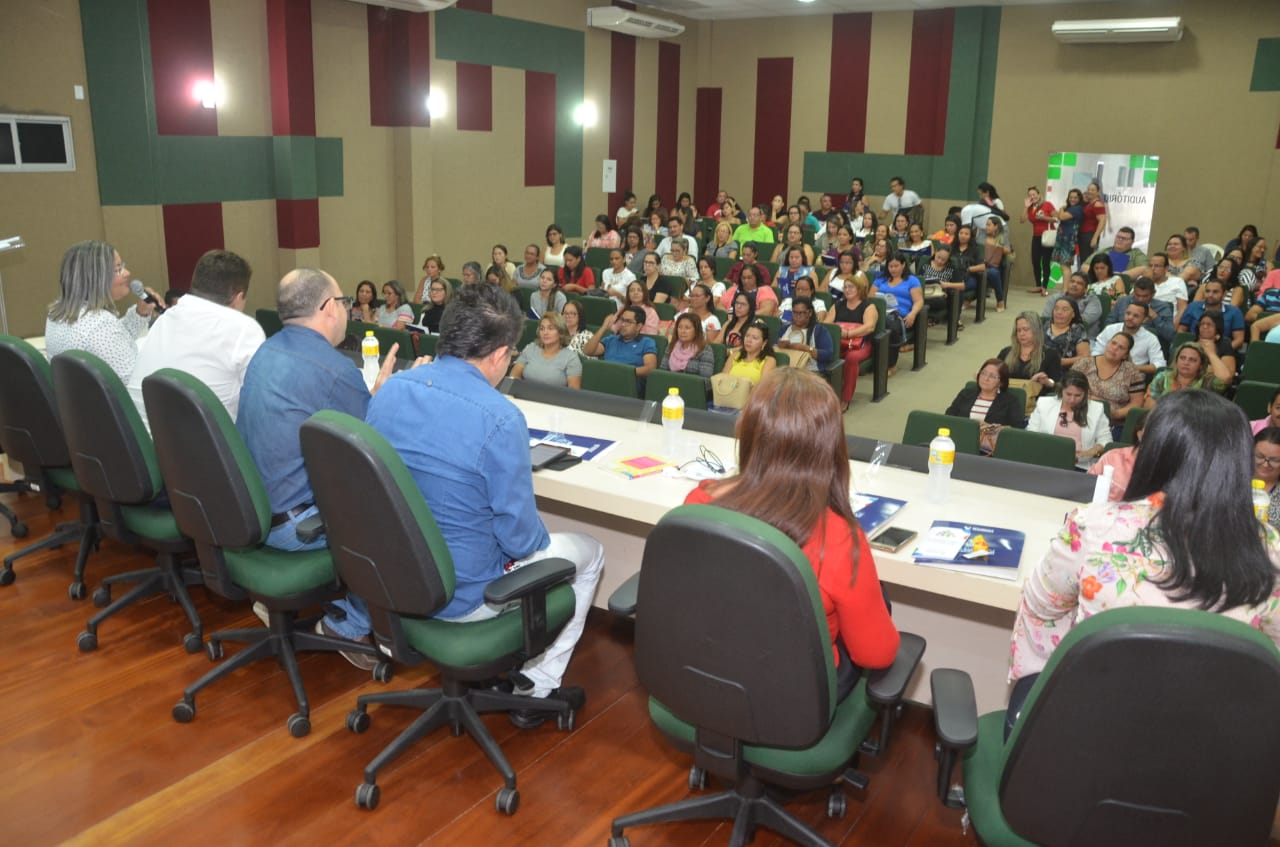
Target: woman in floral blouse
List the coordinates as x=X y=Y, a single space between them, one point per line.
x=1139 y=552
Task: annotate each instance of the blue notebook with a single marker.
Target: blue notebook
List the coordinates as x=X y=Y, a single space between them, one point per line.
x=970 y=548
x=874 y=512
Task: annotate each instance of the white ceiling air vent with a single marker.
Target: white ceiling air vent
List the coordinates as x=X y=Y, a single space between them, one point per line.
x=1118 y=31
x=632 y=23
x=409 y=5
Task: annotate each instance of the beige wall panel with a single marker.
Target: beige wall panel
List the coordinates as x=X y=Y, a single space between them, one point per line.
x=249 y=229
x=241 y=63
x=887 y=91
x=137 y=233
x=41 y=59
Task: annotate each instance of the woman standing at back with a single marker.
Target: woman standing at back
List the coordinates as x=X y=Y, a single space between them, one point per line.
x=794 y=474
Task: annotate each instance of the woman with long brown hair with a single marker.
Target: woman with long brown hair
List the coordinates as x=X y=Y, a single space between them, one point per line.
x=793 y=473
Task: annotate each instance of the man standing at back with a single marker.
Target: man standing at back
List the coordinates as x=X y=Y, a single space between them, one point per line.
x=207 y=334
x=467 y=447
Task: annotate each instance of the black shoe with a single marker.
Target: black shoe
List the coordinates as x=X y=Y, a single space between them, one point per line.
x=530 y=718
x=513 y=683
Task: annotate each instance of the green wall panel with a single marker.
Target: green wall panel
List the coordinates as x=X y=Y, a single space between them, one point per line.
x=1266 y=66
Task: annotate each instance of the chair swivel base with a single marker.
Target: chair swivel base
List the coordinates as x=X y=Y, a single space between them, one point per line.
x=282 y=638
x=16 y=527
x=168 y=577
x=460 y=706
x=84 y=531
x=748 y=804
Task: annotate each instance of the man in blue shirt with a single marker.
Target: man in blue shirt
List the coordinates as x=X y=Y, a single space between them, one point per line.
x=627 y=346
x=467 y=447
x=1232 y=318
x=294 y=374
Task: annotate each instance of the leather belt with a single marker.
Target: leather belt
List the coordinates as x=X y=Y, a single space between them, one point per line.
x=284 y=517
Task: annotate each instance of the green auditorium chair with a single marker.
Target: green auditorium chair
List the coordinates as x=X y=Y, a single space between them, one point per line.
x=922 y=427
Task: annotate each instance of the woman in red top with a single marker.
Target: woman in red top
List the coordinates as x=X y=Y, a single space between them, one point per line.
x=1039 y=213
x=793 y=473
x=1094 y=223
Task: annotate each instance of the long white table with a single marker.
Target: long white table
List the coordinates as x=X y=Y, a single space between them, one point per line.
x=966 y=619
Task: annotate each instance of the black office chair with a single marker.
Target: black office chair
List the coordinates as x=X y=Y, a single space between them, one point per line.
x=115 y=463
x=387 y=549
x=1147 y=726
x=31 y=434
x=754 y=703
x=219 y=501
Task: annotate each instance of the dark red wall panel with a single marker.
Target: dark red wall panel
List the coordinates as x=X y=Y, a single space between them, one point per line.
x=298 y=223
x=539 y=128
x=668 y=121
x=485 y=6
x=475 y=97
x=399 y=67
x=850 y=81
x=773 y=129
x=622 y=113
x=293 y=90
x=190 y=230
x=706 y=147
x=181 y=56
x=929 y=82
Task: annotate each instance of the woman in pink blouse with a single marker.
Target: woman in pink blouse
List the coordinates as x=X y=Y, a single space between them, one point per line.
x=1184 y=535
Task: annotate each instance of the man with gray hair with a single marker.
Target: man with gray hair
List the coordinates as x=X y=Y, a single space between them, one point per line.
x=207 y=334
x=477 y=479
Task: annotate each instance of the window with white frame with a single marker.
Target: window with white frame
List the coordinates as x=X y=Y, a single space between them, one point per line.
x=36 y=143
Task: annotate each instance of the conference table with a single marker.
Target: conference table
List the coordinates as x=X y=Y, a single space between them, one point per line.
x=966 y=619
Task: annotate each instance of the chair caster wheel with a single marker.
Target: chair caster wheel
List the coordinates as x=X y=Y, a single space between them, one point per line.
x=697 y=779
x=213 y=649
x=383 y=671
x=78 y=591
x=7 y=576
x=619 y=841
x=53 y=501
x=565 y=721
x=357 y=722
x=367 y=796
x=836 y=805
x=507 y=801
x=87 y=642
x=19 y=530
x=192 y=643
x=299 y=725
x=184 y=711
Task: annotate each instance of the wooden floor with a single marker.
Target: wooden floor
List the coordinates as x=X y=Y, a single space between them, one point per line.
x=91 y=755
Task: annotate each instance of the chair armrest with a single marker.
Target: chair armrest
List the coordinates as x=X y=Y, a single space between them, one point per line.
x=310 y=530
x=535 y=576
x=955 y=709
x=623 y=600
x=886 y=686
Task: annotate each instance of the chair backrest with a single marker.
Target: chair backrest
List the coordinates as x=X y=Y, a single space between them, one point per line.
x=1036 y=448
x=692 y=387
x=269 y=320
x=922 y=427
x=597 y=258
x=666 y=311
x=700 y=648
x=719 y=354
x=1262 y=364
x=1254 y=397
x=214 y=488
x=609 y=377
x=528 y=333
x=30 y=431
x=596 y=310
x=385 y=543
x=882 y=309
x=1170 y=689
x=111 y=452
x=678 y=285
x=1131 y=421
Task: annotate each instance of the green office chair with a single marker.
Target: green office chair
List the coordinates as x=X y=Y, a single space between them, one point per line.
x=596 y=310
x=693 y=388
x=219 y=501
x=1129 y=435
x=31 y=434
x=609 y=377
x=115 y=463
x=922 y=427
x=1147 y=726
x=1262 y=364
x=1035 y=448
x=754 y=704
x=1254 y=397
x=388 y=550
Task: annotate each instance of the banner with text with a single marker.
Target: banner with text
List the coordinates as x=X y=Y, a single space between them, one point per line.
x=1128 y=183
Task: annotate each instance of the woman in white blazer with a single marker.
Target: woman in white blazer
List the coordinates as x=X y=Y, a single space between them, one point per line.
x=1071 y=414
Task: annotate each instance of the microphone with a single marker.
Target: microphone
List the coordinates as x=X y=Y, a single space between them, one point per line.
x=140 y=291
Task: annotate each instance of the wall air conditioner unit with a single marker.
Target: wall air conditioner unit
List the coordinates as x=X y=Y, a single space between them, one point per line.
x=632 y=23
x=409 y=5
x=1118 y=31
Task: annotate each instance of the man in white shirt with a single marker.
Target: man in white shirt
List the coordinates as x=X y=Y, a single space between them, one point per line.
x=675 y=231
x=206 y=334
x=1146 y=352
x=1170 y=289
x=899 y=198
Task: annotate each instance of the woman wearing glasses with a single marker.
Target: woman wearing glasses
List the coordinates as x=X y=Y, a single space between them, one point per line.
x=1071 y=414
x=790 y=445
x=1266 y=467
x=84 y=317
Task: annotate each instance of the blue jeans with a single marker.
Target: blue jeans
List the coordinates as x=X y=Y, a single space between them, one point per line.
x=993 y=280
x=285 y=537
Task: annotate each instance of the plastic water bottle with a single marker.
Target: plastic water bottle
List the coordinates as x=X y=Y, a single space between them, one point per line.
x=1102 y=486
x=369 y=348
x=1261 y=500
x=942 y=455
x=672 y=421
